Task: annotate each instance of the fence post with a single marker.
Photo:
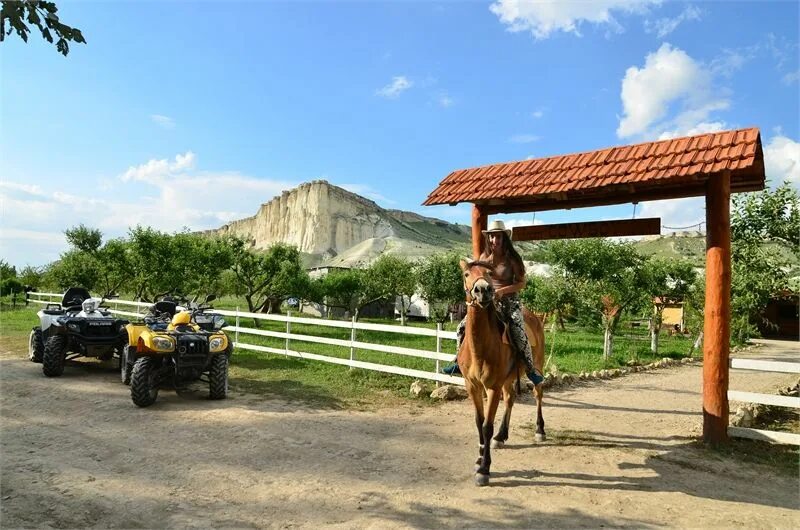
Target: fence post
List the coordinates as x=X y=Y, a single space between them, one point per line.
x=352 y=340
x=438 y=347
x=288 y=331
x=236 y=337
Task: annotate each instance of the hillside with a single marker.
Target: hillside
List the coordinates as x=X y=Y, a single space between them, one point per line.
x=332 y=226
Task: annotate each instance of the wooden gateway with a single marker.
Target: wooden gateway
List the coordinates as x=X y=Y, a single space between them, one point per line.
x=711 y=165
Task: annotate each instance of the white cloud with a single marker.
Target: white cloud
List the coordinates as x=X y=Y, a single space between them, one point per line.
x=791 y=77
x=398 y=85
x=460 y=213
x=676 y=214
x=30 y=189
x=445 y=100
x=537 y=114
x=160 y=193
x=524 y=138
x=666 y=25
x=782 y=160
x=543 y=18
x=165 y=122
x=670 y=78
x=368 y=192
x=155 y=170
x=700 y=128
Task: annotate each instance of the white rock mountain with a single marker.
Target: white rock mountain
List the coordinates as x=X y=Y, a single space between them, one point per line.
x=332 y=226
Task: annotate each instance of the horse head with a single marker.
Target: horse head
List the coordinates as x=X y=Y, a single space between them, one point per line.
x=478 y=285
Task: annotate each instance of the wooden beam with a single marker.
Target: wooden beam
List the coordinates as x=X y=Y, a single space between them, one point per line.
x=610 y=195
x=625 y=227
x=717 y=314
x=479 y=223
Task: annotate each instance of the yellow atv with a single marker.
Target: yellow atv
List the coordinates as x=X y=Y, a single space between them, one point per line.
x=178 y=344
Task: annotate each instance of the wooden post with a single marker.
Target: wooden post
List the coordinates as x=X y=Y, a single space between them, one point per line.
x=479 y=222
x=717 y=327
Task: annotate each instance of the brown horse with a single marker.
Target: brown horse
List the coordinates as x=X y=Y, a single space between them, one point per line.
x=489 y=365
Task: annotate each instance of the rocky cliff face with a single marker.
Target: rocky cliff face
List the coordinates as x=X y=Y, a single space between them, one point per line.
x=326 y=220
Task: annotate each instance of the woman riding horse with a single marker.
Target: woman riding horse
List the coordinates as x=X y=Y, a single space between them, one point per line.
x=508 y=278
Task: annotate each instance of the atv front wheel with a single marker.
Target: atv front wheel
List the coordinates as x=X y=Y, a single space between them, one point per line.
x=35 y=345
x=125 y=365
x=54 y=354
x=144 y=384
x=218 y=377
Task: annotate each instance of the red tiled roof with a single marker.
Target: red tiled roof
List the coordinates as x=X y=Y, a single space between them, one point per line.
x=665 y=169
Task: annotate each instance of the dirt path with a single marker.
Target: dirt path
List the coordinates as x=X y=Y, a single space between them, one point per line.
x=77 y=453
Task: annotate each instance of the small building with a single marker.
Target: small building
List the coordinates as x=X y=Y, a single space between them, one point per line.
x=781 y=318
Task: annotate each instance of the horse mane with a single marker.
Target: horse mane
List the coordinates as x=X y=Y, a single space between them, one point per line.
x=481 y=263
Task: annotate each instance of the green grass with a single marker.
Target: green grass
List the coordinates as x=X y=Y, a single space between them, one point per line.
x=15 y=327
x=573 y=351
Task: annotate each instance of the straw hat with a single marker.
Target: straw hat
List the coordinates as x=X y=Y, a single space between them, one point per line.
x=497 y=226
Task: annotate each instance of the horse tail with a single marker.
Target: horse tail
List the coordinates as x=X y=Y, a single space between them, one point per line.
x=535 y=330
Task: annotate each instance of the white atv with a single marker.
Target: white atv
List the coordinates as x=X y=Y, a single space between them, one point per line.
x=79 y=326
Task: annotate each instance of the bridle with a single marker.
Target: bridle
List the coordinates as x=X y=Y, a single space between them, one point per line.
x=471 y=299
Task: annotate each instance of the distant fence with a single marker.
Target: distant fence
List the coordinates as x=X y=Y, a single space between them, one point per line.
x=765 y=399
x=288 y=336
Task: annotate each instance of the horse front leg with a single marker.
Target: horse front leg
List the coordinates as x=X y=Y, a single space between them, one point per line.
x=540 y=435
x=482 y=473
x=476 y=394
x=502 y=435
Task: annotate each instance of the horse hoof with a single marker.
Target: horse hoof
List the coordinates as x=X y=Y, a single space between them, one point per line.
x=541 y=437
x=497 y=444
x=481 y=480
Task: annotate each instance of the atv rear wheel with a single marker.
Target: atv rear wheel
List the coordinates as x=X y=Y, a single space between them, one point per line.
x=125 y=365
x=218 y=377
x=35 y=345
x=144 y=384
x=54 y=354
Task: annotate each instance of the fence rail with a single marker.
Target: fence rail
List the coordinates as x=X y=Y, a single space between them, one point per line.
x=288 y=336
x=764 y=399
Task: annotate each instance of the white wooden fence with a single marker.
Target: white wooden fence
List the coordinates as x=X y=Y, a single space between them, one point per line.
x=765 y=399
x=289 y=337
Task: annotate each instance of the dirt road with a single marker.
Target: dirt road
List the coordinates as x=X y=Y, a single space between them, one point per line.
x=77 y=453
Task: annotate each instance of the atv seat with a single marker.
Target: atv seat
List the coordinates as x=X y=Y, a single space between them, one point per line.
x=74 y=296
x=165 y=306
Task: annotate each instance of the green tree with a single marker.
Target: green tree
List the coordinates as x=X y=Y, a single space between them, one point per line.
x=391 y=277
x=286 y=276
x=113 y=266
x=606 y=278
x=31 y=276
x=7 y=270
x=74 y=268
x=343 y=289
x=665 y=281
x=761 y=224
x=84 y=239
x=199 y=262
x=267 y=278
x=152 y=264
x=16 y=15
x=8 y=279
x=553 y=295
x=441 y=283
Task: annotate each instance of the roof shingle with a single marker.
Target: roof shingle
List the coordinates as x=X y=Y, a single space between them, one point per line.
x=646 y=166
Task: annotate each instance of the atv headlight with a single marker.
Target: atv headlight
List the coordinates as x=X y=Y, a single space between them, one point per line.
x=216 y=344
x=89 y=305
x=163 y=344
x=73 y=327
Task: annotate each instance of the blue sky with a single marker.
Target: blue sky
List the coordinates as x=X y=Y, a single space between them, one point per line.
x=192 y=114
